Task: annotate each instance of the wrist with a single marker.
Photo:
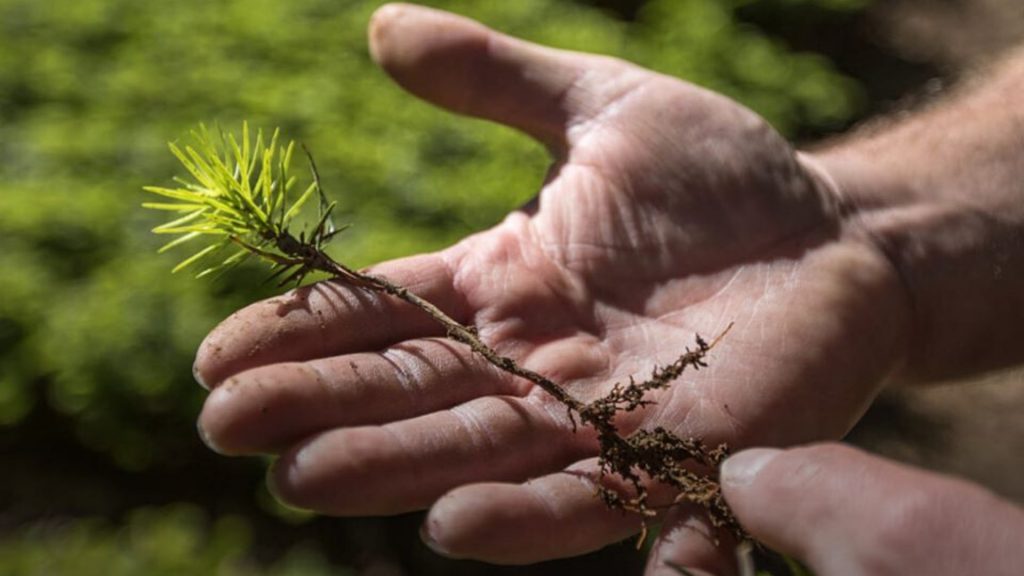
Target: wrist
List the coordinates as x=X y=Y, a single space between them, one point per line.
x=942 y=197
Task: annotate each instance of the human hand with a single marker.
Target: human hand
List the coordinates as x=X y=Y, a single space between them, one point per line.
x=844 y=512
x=669 y=210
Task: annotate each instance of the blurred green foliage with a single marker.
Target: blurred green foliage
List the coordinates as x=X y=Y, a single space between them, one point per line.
x=95 y=330
x=169 y=541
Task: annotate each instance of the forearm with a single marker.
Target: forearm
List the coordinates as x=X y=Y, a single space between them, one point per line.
x=942 y=195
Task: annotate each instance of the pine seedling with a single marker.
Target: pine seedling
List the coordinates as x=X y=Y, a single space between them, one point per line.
x=240 y=197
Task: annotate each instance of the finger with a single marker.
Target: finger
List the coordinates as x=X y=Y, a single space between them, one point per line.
x=327 y=319
x=265 y=409
x=845 y=512
x=553 y=516
x=688 y=541
x=404 y=466
x=461 y=65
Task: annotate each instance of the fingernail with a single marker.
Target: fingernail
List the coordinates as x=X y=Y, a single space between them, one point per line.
x=741 y=469
x=198 y=376
x=431 y=542
x=206 y=438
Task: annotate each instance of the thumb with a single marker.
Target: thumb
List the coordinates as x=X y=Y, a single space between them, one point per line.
x=843 y=511
x=468 y=68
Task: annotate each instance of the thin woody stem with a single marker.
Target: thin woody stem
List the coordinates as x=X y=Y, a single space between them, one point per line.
x=467 y=335
x=316 y=259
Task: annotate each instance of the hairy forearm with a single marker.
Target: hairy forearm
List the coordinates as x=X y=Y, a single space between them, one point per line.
x=942 y=194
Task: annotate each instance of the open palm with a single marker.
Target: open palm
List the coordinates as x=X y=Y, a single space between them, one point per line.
x=670 y=211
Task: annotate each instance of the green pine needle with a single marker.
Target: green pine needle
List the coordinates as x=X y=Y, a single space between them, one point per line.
x=238 y=193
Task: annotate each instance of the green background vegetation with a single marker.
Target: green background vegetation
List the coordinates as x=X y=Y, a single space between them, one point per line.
x=103 y=473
